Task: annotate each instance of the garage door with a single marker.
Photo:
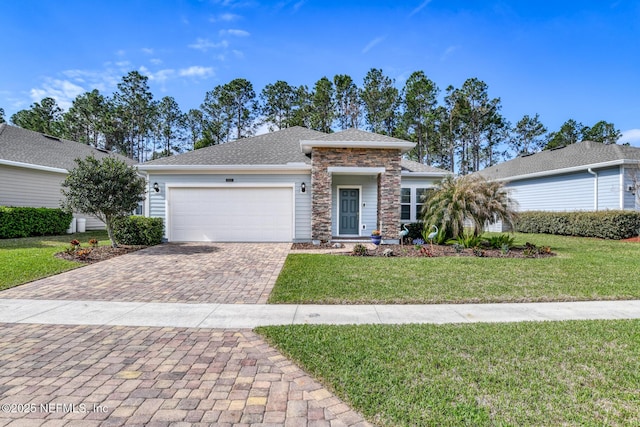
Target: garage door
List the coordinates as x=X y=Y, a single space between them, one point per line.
x=238 y=214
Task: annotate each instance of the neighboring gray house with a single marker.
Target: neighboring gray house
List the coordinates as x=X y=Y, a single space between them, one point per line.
x=33 y=165
x=292 y=185
x=586 y=176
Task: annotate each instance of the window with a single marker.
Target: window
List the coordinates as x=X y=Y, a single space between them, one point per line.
x=422 y=194
x=405 y=204
x=411 y=201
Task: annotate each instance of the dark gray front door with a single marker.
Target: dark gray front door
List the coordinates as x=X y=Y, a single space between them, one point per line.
x=349 y=209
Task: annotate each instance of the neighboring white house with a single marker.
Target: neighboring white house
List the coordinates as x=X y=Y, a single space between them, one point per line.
x=33 y=165
x=292 y=185
x=586 y=176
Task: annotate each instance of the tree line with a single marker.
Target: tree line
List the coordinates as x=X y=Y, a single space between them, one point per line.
x=464 y=133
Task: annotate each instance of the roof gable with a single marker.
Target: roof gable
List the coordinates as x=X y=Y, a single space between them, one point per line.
x=357 y=135
x=356 y=138
x=581 y=155
x=24 y=146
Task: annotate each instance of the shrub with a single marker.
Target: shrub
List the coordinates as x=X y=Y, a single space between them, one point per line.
x=603 y=224
x=107 y=188
x=501 y=241
x=359 y=250
x=466 y=198
x=138 y=230
x=467 y=241
x=415 y=230
x=25 y=222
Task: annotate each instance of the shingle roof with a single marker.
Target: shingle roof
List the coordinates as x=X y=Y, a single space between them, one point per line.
x=274 y=148
x=357 y=135
x=411 y=166
x=26 y=146
x=277 y=148
x=586 y=153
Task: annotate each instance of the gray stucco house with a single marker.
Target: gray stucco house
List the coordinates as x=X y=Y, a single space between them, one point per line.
x=293 y=185
x=586 y=176
x=33 y=165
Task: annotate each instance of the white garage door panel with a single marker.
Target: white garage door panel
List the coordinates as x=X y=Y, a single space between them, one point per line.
x=260 y=214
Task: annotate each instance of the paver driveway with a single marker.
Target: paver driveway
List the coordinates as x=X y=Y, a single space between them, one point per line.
x=55 y=375
x=226 y=273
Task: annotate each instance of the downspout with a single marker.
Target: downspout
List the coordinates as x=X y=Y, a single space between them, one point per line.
x=595 y=188
x=148 y=195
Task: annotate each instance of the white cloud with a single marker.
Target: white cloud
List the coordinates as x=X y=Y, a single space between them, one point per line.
x=147 y=50
x=63 y=91
x=196 y=71
x=420 y=7
x=156 y=61
x=206 y=44
x=160 y=76
x=448 y=52
x=631 y=136
x=101 y=80
x=225 y=17
x=373 y=43
x=235 y=32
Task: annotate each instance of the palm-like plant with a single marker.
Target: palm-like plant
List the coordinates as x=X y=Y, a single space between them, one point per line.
x=470 y=198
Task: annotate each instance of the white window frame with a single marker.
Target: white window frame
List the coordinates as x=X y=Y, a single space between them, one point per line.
x=414 y=201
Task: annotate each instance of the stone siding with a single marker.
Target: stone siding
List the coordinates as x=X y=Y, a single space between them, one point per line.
x=388 y=187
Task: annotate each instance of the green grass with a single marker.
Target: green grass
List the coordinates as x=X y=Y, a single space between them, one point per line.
x=548 y=373
x=31 y=258
x=584 y=269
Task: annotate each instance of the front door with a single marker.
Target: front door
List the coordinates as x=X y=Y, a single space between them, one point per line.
x=349 y=211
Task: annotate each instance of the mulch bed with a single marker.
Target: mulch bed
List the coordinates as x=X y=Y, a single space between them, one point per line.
x=433 y=251
x=632 y=239
x=100 y=253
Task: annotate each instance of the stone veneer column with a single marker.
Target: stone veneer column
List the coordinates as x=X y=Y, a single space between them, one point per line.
x=388 y=187
x=320 y=198
x=389 y=198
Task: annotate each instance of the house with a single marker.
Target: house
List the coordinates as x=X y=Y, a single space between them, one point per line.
x=586 y=176
x=293 y=185
x=33 y=165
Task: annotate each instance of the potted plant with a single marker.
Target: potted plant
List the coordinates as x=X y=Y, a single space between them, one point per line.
x=376 y=238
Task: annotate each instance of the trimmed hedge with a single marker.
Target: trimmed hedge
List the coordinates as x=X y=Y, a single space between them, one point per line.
x=138 y=230
x=26 y=222
x=614 y=225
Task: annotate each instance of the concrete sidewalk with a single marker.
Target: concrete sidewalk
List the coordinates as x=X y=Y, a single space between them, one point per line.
x=233 y=316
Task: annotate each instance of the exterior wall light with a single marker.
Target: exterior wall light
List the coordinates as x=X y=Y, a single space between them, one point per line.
x=303 y=188
x=156 y=187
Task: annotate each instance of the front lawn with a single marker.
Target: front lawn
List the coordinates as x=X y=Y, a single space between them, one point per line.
x=584 y=269
x=547 y=373
x=31 y=258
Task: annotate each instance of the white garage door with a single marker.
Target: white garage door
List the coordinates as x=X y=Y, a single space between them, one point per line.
x=238 y=214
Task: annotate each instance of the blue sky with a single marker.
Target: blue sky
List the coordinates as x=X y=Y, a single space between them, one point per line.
x=560 y=59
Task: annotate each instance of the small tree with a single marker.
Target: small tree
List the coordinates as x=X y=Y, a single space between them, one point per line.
x=106 y=188
x=469 y=198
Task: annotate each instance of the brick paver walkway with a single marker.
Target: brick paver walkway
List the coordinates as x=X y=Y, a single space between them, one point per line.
x=54 y=375
x=226 y=273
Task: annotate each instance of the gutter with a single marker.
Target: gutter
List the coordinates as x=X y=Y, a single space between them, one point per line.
x=226 y=168
x=564 y=170
x=595 y=188
x=425 y=174
x=32 y=166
